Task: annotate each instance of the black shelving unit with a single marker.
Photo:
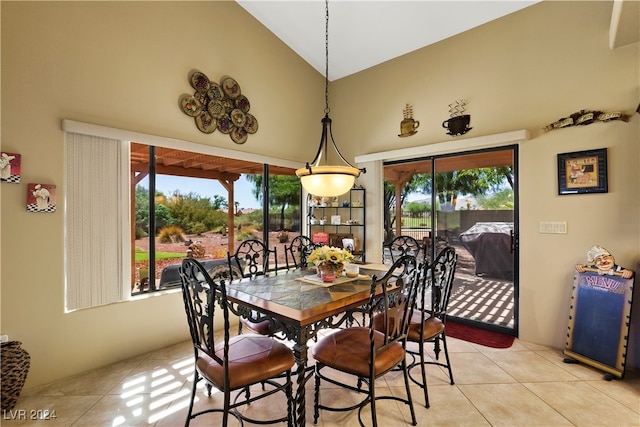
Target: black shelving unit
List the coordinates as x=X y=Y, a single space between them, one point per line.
x=343 y=216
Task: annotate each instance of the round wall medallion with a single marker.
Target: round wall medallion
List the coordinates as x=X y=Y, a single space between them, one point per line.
x=219 y=106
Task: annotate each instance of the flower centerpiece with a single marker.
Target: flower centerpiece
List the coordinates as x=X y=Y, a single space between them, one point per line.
x=329 y=259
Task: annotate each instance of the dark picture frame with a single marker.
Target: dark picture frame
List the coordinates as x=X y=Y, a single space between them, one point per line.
x=583 y=172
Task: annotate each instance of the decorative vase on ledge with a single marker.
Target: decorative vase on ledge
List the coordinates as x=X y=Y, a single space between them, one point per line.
x=15 y=366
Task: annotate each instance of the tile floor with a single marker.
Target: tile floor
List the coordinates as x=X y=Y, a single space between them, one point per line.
x=525 y=385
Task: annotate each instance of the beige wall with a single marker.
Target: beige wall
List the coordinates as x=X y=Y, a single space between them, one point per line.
x=523 y=71
x=122 y=65
x=125 y=64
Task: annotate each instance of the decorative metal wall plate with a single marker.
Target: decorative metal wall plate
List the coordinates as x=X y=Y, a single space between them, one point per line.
x=219 y=106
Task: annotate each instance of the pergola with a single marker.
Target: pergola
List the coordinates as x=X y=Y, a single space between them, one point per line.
x=170 y=161
x=399 y=174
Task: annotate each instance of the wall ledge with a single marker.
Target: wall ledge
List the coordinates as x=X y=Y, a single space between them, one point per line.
x=450 y=146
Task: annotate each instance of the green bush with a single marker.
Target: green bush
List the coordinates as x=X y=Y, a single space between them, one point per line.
x=245 y=233
x=416 y=208
x=195 y=214
x=198 y=228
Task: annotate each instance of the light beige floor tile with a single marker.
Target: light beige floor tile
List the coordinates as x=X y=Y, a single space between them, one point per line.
x=94 y=383
x=47 y=410
x=532 y=346
x=476 y=368
x=175 y=415
x=625 y=391
x=455 y=345
x=176 y=351
x=512 y=405
x=578 y=370
x=448 y=407
x=156 y=376
x=584 y=405
x=389 y=412
x=527 y=366
x=117 y=410
x=268 y=408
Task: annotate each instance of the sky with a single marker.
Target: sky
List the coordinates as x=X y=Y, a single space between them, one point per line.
x=168 y=184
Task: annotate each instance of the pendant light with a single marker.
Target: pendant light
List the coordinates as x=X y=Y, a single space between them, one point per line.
x=325 y=180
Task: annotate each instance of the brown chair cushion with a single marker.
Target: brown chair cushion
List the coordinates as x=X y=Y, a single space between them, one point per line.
x=432 y=327
x=348 y=350
x=252 y=359
x=264 y=327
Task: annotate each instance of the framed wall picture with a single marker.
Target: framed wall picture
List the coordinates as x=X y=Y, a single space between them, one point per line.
x=10 y=167
x=583 y=172
x=41 y=198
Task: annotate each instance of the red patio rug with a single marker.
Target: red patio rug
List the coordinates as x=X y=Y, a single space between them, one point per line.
x=479 y=336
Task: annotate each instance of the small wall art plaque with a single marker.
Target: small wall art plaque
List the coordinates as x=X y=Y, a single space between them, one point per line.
x=41 y=198
x=10 y=167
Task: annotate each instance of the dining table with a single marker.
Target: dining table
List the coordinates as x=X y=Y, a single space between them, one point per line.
x=300 y=305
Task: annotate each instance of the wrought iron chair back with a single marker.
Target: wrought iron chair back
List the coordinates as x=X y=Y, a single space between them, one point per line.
x=298 y=251
x=253 y=258
x=404 y=245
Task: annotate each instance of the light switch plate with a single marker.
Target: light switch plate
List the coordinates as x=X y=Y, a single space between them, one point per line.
x=553 y=227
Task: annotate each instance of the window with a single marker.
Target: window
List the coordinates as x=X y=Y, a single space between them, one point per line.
x=202 y=206
x=105 y=174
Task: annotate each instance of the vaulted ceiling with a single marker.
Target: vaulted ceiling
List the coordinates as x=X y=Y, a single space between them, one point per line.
x=366 y=33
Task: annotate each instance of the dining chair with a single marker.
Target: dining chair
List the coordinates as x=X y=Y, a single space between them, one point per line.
x=403 y=245
x=298 y=251
x=253 y=258
x=428 y=322
x=367 y=353
x=230 y=364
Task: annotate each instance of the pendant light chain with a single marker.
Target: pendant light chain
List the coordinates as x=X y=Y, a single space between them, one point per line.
x=327 y=180
x=326 y=57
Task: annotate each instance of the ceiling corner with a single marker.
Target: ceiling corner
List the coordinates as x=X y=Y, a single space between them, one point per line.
x=625 y=23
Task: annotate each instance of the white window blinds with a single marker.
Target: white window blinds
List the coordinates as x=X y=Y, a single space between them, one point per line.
x=97 y=248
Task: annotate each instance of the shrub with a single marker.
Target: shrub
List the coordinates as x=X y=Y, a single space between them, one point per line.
x=220 y=252
x=245 y=233
x=171 y=234
x=141 y=232
x=198 y=228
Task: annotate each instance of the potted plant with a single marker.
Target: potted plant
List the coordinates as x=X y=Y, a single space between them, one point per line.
x=329 y=261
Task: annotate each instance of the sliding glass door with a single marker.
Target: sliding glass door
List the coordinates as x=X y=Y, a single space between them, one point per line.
x=468 y=201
